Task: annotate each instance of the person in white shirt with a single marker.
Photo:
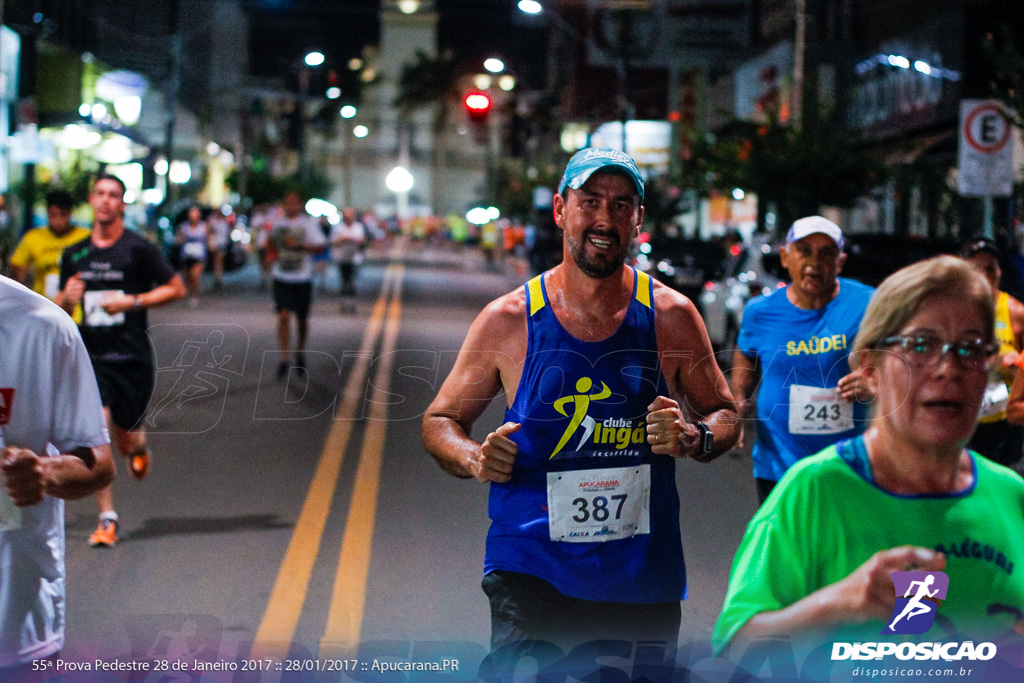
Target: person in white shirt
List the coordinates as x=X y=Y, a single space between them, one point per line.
x=347 y=240
x=295 y=236
x=219 y=236
x=54 y=445
x=260 y=225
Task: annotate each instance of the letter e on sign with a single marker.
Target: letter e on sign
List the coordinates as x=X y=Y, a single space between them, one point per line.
x=986 y=157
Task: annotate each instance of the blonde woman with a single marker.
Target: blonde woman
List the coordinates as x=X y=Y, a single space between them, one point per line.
x=905 y=495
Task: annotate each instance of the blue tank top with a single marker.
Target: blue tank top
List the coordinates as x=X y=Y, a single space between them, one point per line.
x=583 y=406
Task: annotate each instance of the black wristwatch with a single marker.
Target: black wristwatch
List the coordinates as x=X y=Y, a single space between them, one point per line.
x=707 y=438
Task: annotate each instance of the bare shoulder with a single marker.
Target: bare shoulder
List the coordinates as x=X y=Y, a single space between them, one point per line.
x=1015 y=306
x=688 y=360
x=501 y=323
x=1016 y=311
x=675 y=312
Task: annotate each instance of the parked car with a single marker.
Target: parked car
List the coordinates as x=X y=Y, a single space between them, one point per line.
x=683 y=264
x=870 y=258
x=753 y=270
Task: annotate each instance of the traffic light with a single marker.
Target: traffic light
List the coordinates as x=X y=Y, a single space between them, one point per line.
x=478 y=106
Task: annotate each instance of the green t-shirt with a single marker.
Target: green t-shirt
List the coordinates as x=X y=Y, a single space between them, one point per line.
x=827 y=517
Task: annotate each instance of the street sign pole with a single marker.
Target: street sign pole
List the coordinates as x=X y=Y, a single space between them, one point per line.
x=987 y=224
x=985 y=156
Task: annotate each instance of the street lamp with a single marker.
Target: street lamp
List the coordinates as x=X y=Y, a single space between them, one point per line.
x=180 y=172
x=312 y=59
x=535 y=8
x=400 y=181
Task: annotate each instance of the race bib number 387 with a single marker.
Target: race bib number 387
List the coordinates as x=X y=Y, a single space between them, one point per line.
x=592 y=506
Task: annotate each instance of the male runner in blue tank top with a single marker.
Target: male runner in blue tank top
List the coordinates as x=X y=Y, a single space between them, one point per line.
x=608 y=377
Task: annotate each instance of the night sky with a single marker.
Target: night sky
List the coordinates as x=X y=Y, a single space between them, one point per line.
x=284 y=30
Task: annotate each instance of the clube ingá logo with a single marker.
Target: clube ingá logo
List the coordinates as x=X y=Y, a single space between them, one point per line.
x=918 y=596
x=615 y=434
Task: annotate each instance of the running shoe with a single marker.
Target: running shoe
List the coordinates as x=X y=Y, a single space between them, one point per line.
x=105 y=535
x=300 y=360
x=139 y=465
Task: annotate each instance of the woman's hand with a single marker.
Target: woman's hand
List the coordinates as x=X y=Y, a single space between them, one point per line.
x=867 y=594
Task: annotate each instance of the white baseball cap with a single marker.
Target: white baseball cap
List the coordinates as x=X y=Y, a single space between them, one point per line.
x=815 y=224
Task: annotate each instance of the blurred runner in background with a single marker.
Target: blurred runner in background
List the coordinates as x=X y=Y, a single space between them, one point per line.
x=115 y=275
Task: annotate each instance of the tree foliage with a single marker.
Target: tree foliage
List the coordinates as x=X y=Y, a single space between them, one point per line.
x=429 y=81
x=512 y=189
x=800 y=170
x=265 y=188
x=1007 y=81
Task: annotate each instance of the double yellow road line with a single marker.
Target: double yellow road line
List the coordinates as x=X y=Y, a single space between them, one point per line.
x=277 y=630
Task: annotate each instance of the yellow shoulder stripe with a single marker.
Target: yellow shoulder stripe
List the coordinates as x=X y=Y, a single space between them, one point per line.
x=536 y=294
x=643 y=288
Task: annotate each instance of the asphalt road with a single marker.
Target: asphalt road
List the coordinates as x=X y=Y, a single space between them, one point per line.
x=302 y=518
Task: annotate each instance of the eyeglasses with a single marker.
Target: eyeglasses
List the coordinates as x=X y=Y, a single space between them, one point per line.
x=973 y=355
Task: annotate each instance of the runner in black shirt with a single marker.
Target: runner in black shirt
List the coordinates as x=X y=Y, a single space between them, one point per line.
x=115 y=275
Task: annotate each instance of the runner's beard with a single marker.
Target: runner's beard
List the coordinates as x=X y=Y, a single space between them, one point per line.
x=598 y=268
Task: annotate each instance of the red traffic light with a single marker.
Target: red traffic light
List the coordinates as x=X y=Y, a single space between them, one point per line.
x=478 y=103
x=478 y=106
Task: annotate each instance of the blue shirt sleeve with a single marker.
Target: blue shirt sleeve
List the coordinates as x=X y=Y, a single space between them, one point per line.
x=745 y=341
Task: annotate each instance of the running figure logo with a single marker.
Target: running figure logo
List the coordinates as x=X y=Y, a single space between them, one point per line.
x=191 y=391
x=581 y=401
x=922 y=593
x=195 y=360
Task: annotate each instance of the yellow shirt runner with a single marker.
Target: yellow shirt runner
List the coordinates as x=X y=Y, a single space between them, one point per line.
x=41 y=250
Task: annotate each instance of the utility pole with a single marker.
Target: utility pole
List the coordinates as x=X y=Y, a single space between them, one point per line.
x=171 y=95
x=27 y=110
x=304 y=76
x=799 y=53
x=347 y=136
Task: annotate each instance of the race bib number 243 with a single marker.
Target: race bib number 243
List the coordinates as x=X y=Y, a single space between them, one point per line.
x=813 y=410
